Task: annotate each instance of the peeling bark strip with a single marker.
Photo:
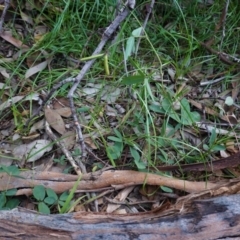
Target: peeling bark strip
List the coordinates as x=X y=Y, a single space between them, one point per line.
x=204 y=219
x=231 y=161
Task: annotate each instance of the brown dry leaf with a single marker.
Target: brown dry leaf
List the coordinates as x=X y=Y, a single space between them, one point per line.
x=60 y=102
x=149 y=191
x=235 y=87
x=34 y=59
x=10 y=101
x=3 y=86
x=80 y=208
x=5 y=159
x=171 y=73
x=35 y=64
x=37 y=126
x=32 y=151
x=209 y=128
x=121 y=196
x=7 y=36
x=90 y=143
x=69 y=139
x=26 y=18
x=208 y=110
x=5 y=74
x=121 y=211
x=224 y=154
x=33 y=70
x=64 y=111
x=31 y=137
x=55 y=120
x=230 y=146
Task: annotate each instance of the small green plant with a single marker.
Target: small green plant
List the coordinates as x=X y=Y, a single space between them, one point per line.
x=61 y=160
x=213 y=145
x=66 y=206
x=7 y=201
x=47 y=198
x=10 y=170
x=114 y=151
x=177 y=110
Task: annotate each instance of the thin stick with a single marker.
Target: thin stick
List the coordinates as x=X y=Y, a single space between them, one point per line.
x=224 y=16
x=64 y=150
x=144 y=25
x=6 y=6
x=105 y=37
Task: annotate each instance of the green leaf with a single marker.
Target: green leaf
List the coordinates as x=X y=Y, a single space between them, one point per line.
x=229 y=101
x=137 y=159
x=11 y=192
x=119 y=135
x=83 y=109
x=114 y=139
x=61 y=203
x=39 y=192
x=196 y=117
x=213 y=137
x=186 y=117
x=12 y=203
x=133 y=80
x=140 y=165
x=166 y=189
x=111 y=155
x=205 y=147
x=185 y=112
x=156 y=108
x=11 y=170
x=217 y=148
x=137 y=32
x=116 y=150
x=167 y=106
x=3 y=200
x=52 y=194
x=135 y=154
x=66 y=205
x=64 y=196
x=43 y=208
x=130 y=46
x=49 y=200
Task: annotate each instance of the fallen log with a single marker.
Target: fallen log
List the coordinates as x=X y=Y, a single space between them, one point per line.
x=201 y=219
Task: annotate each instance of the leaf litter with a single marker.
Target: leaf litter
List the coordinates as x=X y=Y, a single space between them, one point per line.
x=146 y=119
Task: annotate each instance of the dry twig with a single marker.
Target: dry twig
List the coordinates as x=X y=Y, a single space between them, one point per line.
x=145 y=23
x=6 y=6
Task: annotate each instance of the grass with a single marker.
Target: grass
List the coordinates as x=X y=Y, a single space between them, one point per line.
x=161 y=128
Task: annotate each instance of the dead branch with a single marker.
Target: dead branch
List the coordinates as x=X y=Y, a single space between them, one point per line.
x=63 y=182
x=4 y=12
x=195 y=223
x=65 y=151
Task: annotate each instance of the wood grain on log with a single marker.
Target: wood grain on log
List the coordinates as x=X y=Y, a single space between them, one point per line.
x=206 y=219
